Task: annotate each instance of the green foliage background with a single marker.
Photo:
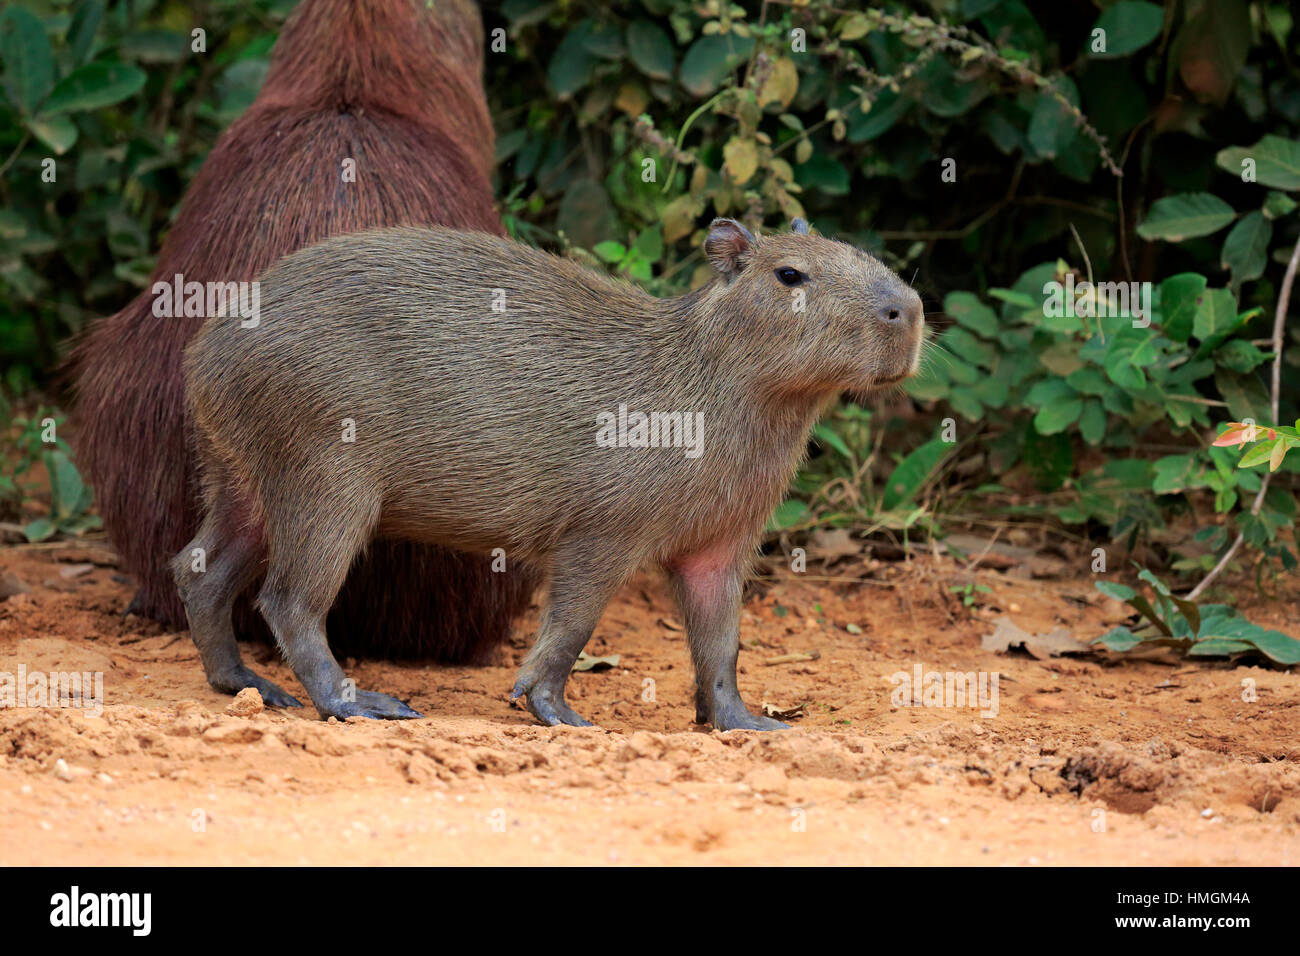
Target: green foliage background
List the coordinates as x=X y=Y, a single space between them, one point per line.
x=624 y=126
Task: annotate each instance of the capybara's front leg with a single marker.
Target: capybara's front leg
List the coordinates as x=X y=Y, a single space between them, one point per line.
x=582 y=582
x=708 y=586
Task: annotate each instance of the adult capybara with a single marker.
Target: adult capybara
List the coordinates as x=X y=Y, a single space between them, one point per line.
x=372 y=114
x=460 y=389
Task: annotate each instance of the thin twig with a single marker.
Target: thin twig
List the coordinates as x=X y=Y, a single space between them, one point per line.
x=1279 y=326
x=17 y=149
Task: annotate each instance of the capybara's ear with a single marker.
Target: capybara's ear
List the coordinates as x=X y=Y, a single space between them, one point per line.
x=799 y=227
x=728 y=245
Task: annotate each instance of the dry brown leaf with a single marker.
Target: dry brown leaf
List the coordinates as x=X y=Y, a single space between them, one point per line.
x=587 y=662
x=1054 y=643
x=832 y=544
x=785 y=713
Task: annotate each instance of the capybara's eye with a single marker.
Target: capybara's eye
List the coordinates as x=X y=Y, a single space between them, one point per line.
x=789 y=276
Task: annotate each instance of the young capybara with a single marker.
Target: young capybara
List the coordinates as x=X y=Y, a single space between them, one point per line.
x=464 y=390
x=372 y=114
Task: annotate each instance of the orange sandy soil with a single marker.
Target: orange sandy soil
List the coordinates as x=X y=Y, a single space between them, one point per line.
x=1090 y=760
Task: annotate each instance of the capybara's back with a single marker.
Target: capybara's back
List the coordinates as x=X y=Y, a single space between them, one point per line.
x=453 y=377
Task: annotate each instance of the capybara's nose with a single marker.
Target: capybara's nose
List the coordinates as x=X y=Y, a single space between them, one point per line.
x=899 y=307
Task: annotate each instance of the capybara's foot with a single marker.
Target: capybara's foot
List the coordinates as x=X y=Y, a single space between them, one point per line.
x=747 y=721
x=546 y=702
x=238 y=678
x=735 y=716
x=368 y=703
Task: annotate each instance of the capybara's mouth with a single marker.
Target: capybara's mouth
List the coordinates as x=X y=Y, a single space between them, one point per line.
x=885 y=382
x=863 y=394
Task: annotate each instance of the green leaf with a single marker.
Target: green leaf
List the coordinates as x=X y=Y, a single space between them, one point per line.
x=59 y=133
x=949 y=93
x=1058 y=415
x=1088 y=380
x=824 y=173
x=1277 y=161
x=710 y=59
x=1258 y=453
x=1146 y=351
x=887 y=108
x=1277 y=205
x=1052 y=128
x=1239 y=355
x=39 y=530
x=602 y=40
x=972 y=313
x=649 y=244
x=93 y=86
x=1244 y=394
x=68 y=493
x=958 y=341
x=1120 y=369
x=1216 y=317
x=912 y=473
x=1092 y=422
x=610 y=251
x=827 y=435
x=1191 y=613
x=1179 y=299
x=1245 y=251
x=28 y=60
x=1129 y=26
x=86 y=17
x=1217 y=647
x=1120 y=592
x=526 y=12
x=1174 y=473
x=650 y=48
x=1277 y=646
x=1118 y=639
x=1185 y=216
x=967 y=404
x=154 y=46
x=788 y=513
x=572 y=64
x=1144 y=607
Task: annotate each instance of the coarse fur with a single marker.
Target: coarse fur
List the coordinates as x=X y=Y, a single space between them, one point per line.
x=448 y=387
x=396 y=86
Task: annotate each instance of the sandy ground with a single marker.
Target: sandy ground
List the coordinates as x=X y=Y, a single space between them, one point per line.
x=1089 y=759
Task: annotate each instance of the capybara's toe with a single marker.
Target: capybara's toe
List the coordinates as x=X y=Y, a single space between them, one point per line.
x=370 y=704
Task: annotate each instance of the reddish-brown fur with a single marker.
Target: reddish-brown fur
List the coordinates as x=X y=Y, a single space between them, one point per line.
x=395 y=85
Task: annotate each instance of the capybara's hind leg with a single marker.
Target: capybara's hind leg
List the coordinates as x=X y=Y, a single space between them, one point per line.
x=211 y=572
x=303 y=577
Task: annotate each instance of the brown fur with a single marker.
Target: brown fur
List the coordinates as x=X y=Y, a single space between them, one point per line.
x=395 y=85
x=477 y=428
